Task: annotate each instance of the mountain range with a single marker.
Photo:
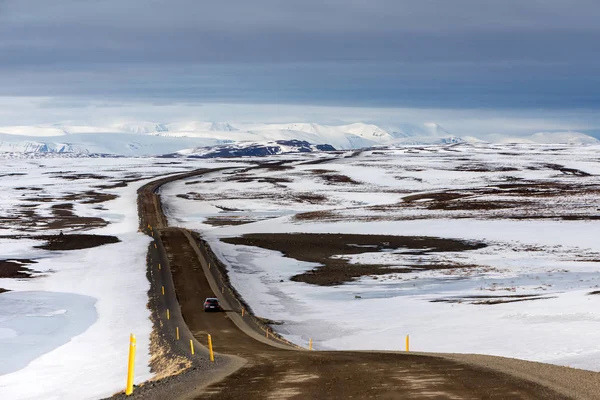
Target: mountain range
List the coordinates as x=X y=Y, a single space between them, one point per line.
x=197 y=137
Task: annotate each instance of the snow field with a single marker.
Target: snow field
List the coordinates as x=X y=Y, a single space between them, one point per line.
x=78 y=352
x=552 y=260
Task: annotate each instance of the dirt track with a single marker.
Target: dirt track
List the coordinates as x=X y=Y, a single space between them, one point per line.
x=279 y=372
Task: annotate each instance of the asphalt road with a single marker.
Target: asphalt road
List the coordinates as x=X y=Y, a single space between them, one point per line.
x=251 y=366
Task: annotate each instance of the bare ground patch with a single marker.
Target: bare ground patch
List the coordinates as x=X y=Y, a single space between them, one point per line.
x=484 y=168
x=15 y=268
x=27 y=219
x=74 y=241
x=317 y=216
x=319 y=248
x=476 y=205
x=73 y=177
x=228 y=221
x=334 y=179
x=492 y=300
x=438 y=196
x=165 y=363
x=90 y=197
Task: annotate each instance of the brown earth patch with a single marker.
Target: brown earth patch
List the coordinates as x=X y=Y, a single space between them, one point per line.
x=539 y=189
x=317 y=216
x=62 y=218
x=73 y=222
x=595 y=292
x=440 y=196
x=310 y=197
x=14 y=268
x=338 y=178
x=567 y=171
x=320 y=160
x=227 y=221
x=74 y=242
x=491 y=300
x=90 y=197
x=475 y=205
x=63 y=206
x=73 y=177
x=63 y=210
x=484 y=168
x=44 y=199
x=501 y=301
x=118 y=184
x=319 y=248
x=277 y=167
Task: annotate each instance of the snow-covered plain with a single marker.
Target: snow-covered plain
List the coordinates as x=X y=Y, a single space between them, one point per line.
x=64 y=333
x=535 y=206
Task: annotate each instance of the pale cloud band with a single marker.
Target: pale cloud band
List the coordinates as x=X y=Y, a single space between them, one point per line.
x=482 y=57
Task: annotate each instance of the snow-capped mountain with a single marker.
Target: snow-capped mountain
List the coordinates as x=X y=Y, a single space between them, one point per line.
x=366 y=131
x=253 y=149
x=568 y=137
x=199 y=126
x=36 y=131
x=343 y=137
x=140 y=128
x=154 y=138
x=33 y=146
x=126 y=144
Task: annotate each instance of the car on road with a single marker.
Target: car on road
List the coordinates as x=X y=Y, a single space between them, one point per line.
x=212 y=304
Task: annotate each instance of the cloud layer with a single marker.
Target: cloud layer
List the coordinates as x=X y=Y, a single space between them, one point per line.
x=381 y=53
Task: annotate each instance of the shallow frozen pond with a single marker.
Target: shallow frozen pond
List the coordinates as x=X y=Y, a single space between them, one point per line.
x=35 y=323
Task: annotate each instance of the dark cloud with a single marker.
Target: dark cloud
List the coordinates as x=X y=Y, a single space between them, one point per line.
x=460 y=53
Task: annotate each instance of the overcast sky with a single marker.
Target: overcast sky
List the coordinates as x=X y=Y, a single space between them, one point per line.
x=531 y=59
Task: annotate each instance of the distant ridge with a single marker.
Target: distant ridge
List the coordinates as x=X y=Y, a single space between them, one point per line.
x=155 y=138
x=253 y=149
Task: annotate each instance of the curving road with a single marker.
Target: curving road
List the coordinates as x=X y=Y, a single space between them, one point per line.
x=252 y=363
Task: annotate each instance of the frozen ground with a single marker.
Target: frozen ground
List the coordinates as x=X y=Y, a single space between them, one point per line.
x=527 y=294
x=64 y=330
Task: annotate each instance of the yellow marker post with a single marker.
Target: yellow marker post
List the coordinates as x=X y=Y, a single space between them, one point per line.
x=210 y=349
x=407 y=343
x=130 y=365
x=163 y=290
x=155 y=246
x=310 y=344
x=159 y=267
x=192 y=346
x=208 y=265
x=243 y=310
x=168 y=314
x=177 y=332
x=267 y=333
